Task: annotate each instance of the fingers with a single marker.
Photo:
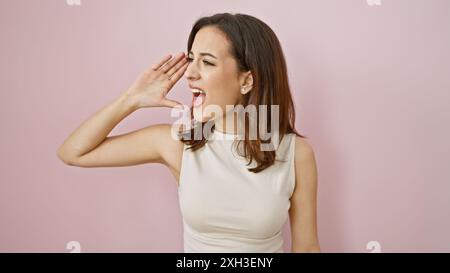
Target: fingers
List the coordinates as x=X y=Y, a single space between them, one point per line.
x=176 y=67
x=158 y=65
x=166 y=67
x=179 y=73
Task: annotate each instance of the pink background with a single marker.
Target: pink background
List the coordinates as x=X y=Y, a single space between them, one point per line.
x=372 y=92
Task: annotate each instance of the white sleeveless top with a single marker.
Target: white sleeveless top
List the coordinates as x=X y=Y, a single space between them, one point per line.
x=227 y=208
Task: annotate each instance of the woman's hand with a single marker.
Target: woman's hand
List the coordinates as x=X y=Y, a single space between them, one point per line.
x=152 y=86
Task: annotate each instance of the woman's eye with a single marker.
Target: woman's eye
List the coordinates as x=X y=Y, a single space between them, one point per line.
x=205 y=62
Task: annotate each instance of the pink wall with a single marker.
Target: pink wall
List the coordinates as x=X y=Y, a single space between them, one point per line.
x=371 y=86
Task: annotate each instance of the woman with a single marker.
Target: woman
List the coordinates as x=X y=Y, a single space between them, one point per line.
x=233 y=59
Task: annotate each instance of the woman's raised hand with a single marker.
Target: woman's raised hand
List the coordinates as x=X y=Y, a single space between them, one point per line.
x=152 y=86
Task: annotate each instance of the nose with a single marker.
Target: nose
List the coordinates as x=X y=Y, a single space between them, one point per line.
x=191 y=73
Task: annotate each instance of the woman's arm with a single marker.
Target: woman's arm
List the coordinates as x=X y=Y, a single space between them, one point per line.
x=302 y=213
x=89 y=146
x=94 y=131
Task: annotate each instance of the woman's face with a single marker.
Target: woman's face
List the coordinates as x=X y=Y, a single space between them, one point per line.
x=213 y=70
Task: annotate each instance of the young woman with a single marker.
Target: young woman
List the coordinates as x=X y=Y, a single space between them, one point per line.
x=234 y=196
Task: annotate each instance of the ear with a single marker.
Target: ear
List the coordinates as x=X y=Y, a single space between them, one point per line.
x=246 y=82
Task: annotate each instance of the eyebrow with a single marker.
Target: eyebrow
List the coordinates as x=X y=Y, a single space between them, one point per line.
x=204 y=54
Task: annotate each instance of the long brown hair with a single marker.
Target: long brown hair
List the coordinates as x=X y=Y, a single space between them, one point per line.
x=255 y=47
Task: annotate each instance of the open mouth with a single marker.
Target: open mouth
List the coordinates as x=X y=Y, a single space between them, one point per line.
x=198 y=97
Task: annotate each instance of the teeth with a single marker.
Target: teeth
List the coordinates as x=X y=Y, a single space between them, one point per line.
x=197 y=91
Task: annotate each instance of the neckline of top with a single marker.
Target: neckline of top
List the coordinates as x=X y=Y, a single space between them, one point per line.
x=224 y=133
x=224 y=136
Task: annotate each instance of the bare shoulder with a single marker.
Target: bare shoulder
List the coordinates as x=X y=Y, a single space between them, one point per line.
x=305 y=164
x=303 y=150
x=171 y=148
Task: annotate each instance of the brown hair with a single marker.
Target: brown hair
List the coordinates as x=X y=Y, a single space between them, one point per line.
x=255 y=47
